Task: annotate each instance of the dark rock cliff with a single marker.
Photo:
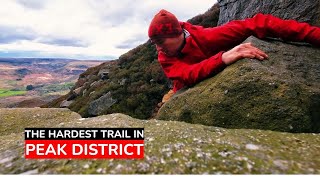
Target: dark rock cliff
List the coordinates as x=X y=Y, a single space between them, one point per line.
x=304 y=11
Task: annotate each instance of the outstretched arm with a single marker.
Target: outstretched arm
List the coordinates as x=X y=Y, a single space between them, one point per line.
x=229 y=35
x=190 y=74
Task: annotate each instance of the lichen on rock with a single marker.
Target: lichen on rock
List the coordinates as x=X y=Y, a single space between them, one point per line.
x=171 y=147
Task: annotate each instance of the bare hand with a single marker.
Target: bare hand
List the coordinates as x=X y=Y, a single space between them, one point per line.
x=241 y=51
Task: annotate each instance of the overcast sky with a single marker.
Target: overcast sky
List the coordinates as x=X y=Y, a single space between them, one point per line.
x=83 y=29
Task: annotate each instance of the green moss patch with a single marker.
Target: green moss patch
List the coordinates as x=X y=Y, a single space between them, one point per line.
x=6 y=93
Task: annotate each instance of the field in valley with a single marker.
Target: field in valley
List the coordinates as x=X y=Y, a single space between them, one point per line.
x=31 y=82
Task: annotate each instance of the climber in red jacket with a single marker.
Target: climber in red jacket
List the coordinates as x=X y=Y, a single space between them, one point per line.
x=189 y=53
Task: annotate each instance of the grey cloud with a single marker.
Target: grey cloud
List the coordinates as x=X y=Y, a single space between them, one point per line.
x=133 y=42
x=10 y=34
x=59 y=41
x=32 y=4
x=112 y=14
x=117 y=18
x=39 y=54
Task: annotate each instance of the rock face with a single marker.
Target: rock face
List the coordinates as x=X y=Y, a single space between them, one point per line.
x=171 y=147
x=281 y=94
x=66 y=104
x=101 y=104
x=306 y=11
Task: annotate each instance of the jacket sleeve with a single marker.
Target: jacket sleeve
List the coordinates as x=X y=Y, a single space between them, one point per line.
x=235 y=32
x=189 y=74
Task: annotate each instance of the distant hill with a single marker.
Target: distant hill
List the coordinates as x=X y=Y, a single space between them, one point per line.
x=36 y=77
x=134 y=84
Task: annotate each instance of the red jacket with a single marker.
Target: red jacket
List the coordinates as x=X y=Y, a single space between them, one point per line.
x=201 y=54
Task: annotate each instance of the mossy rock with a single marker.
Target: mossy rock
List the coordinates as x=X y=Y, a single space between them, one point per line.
x=280 y=94
x=171 y=147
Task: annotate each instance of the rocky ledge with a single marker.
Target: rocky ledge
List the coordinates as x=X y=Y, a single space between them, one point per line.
x=171 y=147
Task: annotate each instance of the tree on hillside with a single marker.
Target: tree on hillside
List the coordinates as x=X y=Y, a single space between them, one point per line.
x=29 y=87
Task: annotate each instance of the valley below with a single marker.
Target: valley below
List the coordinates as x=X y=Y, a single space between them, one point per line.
x=32 y=82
